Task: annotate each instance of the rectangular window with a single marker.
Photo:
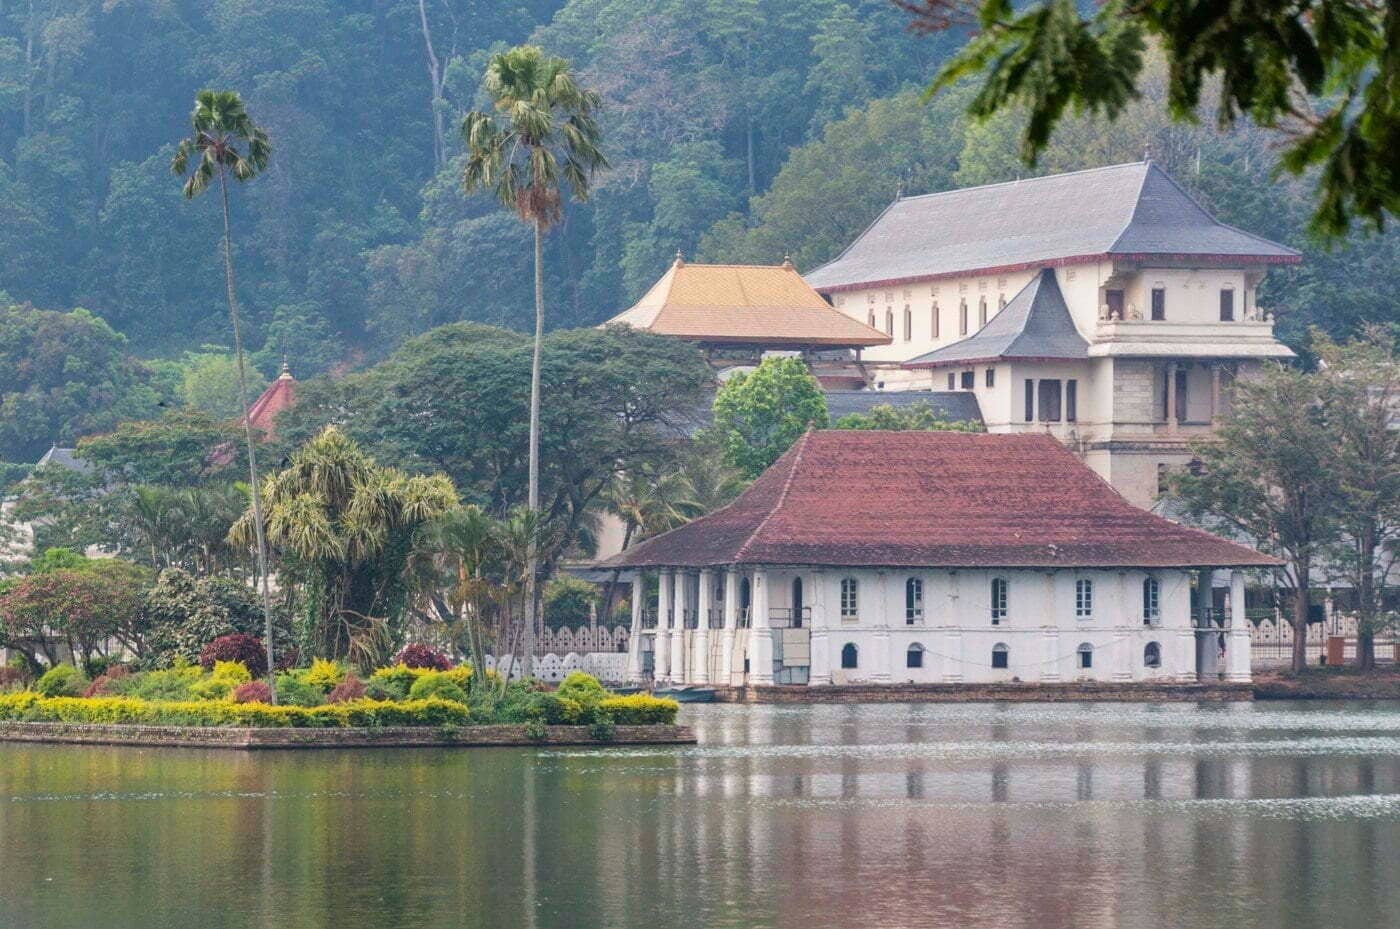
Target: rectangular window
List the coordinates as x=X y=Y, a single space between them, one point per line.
x=991 y=377
x=1030 y=400
x=952 y=381
x=1227 y=305
x=1000 y=657
x=1083 y=598
x=1159 y=303
x=850 y=603
x=908 y=324
x=889 y=322
x=962 y=317
x=1071 y=400
x=1050 y=400
x=935 y=319
x=1114 y=299
x=968 y=378
x=982 y=312
x=914 y=600
x=999 y=600
x=914 y=658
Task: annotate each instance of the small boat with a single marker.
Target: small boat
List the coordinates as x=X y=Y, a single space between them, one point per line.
x=687 y=694
x=627 y=690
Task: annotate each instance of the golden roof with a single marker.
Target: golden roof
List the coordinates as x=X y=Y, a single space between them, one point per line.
x=767 y=305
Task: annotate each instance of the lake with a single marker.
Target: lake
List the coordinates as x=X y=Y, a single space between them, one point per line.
x=1055 y=815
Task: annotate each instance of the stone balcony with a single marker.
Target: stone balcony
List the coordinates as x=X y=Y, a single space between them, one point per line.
x=1252 y=337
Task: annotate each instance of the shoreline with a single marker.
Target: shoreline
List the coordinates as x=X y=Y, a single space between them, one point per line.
x=983 y=693
x=249 y=739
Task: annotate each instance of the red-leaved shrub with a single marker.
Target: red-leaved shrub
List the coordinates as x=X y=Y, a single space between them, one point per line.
x=236 y=647
x=352 y=688
x=102 y=686
x=418 y=655
x=252 y=692
x=9 y=677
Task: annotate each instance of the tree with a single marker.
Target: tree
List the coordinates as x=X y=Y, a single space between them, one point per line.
x=210 y=383
x=226 y=143
x=1322 y=73
x=456 y=557
x=342 y=527
x=174 y=450
x=1269 y=476
x=760 y=413
x=916 y=417
x=77 y=602
x=542 y=136
x=183 y=613
x=1361 y=385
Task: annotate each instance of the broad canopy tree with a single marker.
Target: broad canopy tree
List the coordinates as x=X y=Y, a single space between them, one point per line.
x=758 y=414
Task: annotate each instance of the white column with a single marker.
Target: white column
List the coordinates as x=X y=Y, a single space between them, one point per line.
x=731 y=623
x=1123 y=648
x=1171 y=396
x=882 y=659
x=700 y=664
x=661 y=653
x=957 y=614
x=819 y=671
x=1237 y=659
x=678 y=675
x=634 y=643
x=760 y=635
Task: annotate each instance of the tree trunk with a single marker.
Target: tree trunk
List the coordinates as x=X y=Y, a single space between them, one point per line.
x=1365 y=605
x=248 y=433
x=532 y=567
x=436 y=80
x=1300 y=617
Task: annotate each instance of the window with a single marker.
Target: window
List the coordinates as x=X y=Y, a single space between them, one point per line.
x=850 y=601
x=999 y=600
x=871 y=320
x=1050 y=400
x=1001 y=301
x=935 y=319
x=914 y=600
x=1161 y=476
x=962 y=317
x=1227 y=305
x=1071 y=400
x=1085 y=656
x=1152 y=655
x=908 y=323
x=991 y=378
x=848 y=655
x=1083 y=598
x=889 y=322
x=968 y=379
x=1114 y=300
x=1151 y=601
x=914 y=658
x=982 y=311
x=1001 y=656
x=952 y=381
x=1030 y=400
x=1159 y=303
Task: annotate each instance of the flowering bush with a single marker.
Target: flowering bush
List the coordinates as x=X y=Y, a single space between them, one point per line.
x=31 y=707
x=323 y=674
x=418 y=655
x=238 y=646
x=62 y=680
x=640 y=710
x=252 y=692
x=352 y=688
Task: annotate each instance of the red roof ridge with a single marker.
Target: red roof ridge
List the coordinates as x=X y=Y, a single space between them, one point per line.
x=796 y=453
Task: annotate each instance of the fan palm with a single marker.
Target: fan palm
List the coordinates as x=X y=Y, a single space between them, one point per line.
x=451 y=564
x=225 y=143
x=540 y=136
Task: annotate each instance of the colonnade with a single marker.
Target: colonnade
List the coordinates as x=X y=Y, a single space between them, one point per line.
x=693 y=600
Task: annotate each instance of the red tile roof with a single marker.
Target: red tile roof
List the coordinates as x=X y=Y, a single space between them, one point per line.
x=934 y=499
x=278 y=396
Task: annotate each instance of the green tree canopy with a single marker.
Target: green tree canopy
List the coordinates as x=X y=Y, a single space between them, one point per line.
x=759 y=414
x=916 y=417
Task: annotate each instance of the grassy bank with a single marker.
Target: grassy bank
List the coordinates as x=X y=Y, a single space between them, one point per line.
x=1327 y=684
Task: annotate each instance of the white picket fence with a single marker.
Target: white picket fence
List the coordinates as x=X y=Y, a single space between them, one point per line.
x=609 y=667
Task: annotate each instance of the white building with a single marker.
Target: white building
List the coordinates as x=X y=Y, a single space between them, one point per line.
x=1105 y=307
x=893 y=557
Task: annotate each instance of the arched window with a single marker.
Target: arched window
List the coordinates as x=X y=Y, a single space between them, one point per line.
x=982 y=311
x=1152 y=655
x=871 y=319
x=1084 y=655
x=848 y=655
x=1000 y=599
x=797 y=602
x=889 y=322
x=935 y=319
x=914 y=658
x=1083 y=598
x=1151 y=601
x=1001 y=656
x=850 y=599
x=962 y=317
x=914 y=600
x=908 y=323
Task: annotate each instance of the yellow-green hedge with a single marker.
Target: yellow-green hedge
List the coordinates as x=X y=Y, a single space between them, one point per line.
x=640 y=710
x=31 y=707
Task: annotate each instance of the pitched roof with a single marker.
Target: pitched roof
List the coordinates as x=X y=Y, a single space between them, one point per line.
x=62 y=457
x=747 y=304
x=281 y=394
x=1036 y=324
x=1122 y=211
x=934 y=499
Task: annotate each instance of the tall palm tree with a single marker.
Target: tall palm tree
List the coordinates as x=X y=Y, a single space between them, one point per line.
x=225 y=143
x=451 y=560
x=541 y=134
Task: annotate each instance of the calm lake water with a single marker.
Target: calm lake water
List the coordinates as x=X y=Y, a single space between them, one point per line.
x=1264 y=815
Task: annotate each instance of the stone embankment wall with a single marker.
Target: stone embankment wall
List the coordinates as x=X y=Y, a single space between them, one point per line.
x=388 y=737
x=969 y=693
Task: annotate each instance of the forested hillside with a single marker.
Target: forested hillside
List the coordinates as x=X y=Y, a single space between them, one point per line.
x=736 y=129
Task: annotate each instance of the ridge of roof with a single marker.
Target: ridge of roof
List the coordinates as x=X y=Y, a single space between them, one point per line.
x=1020 y=181
x=1195 y=201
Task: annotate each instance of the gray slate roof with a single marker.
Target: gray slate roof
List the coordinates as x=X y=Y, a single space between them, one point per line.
x=1123 y=210
x=957 y=405
x=1035 y=324
x=64 y=458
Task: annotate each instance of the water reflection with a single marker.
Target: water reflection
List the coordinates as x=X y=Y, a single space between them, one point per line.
x=967 y=815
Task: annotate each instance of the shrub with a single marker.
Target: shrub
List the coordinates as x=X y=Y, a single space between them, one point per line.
x=102 y=687
x=582 y=688
x=98 y=665
x=168 y=684
x=293 y=690
x=352 y=688
x=324 y=675
x=31 y=707
x=569 y=601
x=252 y=692
x=235 y=672
x=376 y=689
x=399 y=678
x=238 y=646
x=62 y=680
x=13 y=678
x=437 y=684
x=418 y=655
x=640 y=710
